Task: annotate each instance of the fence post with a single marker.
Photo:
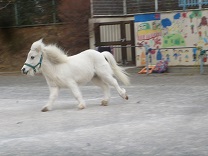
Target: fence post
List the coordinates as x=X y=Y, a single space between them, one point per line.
x=16 y=13
x=54 y=13
x=201 y=65
x=124 y=7
x=200 y=4
x=202 y=56
x=147 y=58
x=184 y=5
x=156 y=5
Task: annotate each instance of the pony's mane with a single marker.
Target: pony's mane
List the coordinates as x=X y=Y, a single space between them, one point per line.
x=55 y=54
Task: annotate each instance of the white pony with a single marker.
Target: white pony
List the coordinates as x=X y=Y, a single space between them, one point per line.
x=61 y=71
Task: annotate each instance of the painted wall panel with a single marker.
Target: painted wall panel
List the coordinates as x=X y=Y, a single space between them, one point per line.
x=171 y=30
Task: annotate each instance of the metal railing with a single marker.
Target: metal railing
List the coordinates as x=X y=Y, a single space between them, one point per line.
x=129 y=7
x=22 y=13
x=191 y=3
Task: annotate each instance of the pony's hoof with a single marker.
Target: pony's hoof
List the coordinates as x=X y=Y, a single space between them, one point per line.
x=104 y=103
x=126 y=97
x=45 y=109
x=81 y=106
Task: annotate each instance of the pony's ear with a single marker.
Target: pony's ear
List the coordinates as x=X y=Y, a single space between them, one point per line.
x=41 y=40
x=40 y=45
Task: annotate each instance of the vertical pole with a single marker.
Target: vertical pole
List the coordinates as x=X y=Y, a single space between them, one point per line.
x=91 y=5
x=156 y=5
x=124 y=7
x=54 y=12
x=123 y=42
x=147 y=62
x=201 y=65
x=16 y=13
x=200 y=4
x=133 y=55
x=184 y=5
x=147 y=59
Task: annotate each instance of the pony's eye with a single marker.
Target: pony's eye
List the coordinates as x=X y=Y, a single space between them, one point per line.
x=32 y=57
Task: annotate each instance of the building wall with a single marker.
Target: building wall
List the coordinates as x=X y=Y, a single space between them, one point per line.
x=172 y=31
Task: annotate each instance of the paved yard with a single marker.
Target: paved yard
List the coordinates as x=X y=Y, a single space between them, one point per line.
x=166 y=115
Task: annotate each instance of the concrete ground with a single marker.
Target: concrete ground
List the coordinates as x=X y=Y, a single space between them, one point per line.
x=166 y=115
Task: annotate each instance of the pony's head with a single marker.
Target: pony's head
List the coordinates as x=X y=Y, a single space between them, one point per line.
x=34 y=58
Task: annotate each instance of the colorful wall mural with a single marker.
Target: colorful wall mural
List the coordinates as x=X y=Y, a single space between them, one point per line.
x=164 y=33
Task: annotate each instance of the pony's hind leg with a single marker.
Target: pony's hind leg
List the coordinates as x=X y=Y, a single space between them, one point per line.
x=53 y=95
x=105 y=87
x=108 y=78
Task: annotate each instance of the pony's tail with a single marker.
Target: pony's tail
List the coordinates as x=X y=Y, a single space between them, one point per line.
x=119 y=72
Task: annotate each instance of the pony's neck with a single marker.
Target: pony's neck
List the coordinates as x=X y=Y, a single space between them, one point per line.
x=52 y=57
x=47 y=66
x=48 y=70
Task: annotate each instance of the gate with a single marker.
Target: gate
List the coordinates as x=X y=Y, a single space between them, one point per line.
x=119 y=36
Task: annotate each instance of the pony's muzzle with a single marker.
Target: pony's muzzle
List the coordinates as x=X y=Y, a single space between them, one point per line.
x=24 y=71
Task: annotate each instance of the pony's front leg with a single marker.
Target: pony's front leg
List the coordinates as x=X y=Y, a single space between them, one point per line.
x=52 y=97
x=77 y=94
